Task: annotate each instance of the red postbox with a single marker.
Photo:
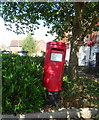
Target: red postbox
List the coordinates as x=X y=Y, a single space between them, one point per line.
x=54 y=65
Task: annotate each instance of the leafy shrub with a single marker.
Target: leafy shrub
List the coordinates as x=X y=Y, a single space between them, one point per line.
x=83 y=93
x=22 y=88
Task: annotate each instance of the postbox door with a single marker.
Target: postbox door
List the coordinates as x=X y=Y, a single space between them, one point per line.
x=54 y=71
x=57 y=63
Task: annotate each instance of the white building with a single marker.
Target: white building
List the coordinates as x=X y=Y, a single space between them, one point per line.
x=89 y=54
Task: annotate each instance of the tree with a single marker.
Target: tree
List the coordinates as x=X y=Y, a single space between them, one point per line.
x=78 y=17
x=29 y=44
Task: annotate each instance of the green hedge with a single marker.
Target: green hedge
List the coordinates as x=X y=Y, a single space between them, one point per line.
x=22 y=84
x=23 y=91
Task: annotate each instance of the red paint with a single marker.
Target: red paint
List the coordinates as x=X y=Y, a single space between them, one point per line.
x=54 y=68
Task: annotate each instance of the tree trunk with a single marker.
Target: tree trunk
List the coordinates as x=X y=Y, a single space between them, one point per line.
x=73 y=62
x=76 y=36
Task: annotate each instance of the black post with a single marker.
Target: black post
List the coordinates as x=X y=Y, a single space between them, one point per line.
x=52 y=97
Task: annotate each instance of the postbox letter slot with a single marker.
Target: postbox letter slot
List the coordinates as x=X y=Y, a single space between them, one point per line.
x=57 y=49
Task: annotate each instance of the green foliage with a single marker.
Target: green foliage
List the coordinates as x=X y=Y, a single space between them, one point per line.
x=23 y=92
x=81 y=93
x=22 y=84
x=29 y=44
x=61 y=15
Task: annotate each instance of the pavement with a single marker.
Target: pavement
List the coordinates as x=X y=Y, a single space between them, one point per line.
x=85 y=113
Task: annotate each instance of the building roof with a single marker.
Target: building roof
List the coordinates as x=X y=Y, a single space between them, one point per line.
x=3 y=47
x=16 y=43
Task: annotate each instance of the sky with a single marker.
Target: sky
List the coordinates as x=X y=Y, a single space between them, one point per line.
x=6 y=36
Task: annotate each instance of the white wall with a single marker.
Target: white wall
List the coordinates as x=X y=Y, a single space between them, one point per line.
x=67 y=55
x=84 y=55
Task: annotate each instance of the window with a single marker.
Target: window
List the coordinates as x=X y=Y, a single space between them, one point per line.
x=56 y=57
